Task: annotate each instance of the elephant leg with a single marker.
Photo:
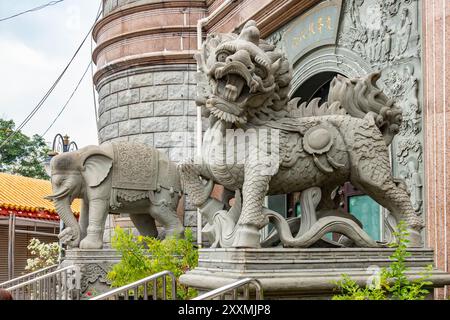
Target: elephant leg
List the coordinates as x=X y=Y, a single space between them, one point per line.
x=166 y=214
x=98 y=210
x=84 y=218
x=145 y=224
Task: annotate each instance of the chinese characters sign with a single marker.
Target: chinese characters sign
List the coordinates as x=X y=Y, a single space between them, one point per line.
x=315 y=28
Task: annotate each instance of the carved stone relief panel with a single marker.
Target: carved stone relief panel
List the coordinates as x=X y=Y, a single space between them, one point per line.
x=387 y=35
x=381 y=32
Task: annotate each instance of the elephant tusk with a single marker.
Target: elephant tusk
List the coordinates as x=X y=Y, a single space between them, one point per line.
x=59 y=195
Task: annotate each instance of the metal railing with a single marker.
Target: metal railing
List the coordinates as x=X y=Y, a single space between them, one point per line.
x=28 y=276
x=61 y=284
x=139 y=290
x=232 y=291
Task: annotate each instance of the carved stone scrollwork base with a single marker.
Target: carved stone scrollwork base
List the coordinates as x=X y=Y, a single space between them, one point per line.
x=323 y=226
x=94 y=266
x=93 y=273
x=312 y=229
x=221 y=226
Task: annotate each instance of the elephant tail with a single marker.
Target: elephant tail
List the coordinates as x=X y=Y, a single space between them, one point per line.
x=193 y=186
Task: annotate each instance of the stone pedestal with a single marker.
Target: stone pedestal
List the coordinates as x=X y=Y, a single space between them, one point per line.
x=94 y=266
x=288 y=273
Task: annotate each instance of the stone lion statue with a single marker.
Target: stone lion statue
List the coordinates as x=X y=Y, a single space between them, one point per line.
x=243 y=86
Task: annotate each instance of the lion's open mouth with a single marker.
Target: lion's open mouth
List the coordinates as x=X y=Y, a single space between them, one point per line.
x=233 y=82
x=230 y=88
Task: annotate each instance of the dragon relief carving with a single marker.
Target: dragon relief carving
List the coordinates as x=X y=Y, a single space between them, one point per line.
x=243 y=86
x=403 y=87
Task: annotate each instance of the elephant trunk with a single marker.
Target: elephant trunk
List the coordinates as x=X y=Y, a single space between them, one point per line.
x=72 y=233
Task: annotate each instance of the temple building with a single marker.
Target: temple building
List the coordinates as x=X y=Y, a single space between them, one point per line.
x=146 y=84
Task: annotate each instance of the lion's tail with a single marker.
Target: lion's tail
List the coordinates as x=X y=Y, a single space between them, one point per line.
x=361 y=96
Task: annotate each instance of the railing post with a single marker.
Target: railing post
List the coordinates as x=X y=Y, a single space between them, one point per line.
x=74 y=283
x=11 y=245
x=57 y=285
x=233 y=289
x=174 y=287
x=153 y=279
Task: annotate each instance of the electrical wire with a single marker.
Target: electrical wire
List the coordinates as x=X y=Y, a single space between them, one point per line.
x=93 y=86
x=51 y=3
x=68 y=100
x=44 y=98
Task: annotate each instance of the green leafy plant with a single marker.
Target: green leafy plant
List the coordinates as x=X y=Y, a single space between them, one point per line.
x=45 y=254
x=392 y=282
x=144 y=256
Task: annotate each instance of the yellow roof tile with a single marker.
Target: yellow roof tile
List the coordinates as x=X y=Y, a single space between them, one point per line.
x=23 y=193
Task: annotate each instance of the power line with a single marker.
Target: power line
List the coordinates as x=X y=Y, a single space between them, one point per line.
x=44 y=98
x=51 y=3
x=68 y=100
x=93 y=86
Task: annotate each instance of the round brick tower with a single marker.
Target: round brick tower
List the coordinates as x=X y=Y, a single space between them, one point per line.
x=145 y=71
x=145 y=75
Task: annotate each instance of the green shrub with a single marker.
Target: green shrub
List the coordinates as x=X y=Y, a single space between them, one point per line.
x=393 y=283
x=144 y=256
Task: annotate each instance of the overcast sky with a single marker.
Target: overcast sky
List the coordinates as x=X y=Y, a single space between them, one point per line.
x=34 y=49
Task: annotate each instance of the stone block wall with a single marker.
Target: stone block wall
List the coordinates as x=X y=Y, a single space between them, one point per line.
x=152 y=105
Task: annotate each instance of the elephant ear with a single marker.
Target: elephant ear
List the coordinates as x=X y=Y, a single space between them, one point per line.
x=96 y=168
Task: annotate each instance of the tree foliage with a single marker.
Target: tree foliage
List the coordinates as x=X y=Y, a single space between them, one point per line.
x=22 y=155
x=392 y=282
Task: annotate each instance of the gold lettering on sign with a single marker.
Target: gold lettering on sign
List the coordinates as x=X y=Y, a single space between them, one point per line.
x=329 y=23
x=315 y=28
x=320 y=24
x=311 y=28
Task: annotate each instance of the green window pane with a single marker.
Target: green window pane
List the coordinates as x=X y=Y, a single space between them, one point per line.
x=278 y=203
x=298 y=209
x=368 y=212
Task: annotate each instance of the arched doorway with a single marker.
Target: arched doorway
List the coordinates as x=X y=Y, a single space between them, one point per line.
x=317 y=86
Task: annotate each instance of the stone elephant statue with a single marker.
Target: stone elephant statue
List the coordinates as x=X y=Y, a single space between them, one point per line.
x=115 y=178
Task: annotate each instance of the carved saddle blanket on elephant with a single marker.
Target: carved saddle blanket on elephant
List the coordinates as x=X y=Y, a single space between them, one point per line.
x=138 y=172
